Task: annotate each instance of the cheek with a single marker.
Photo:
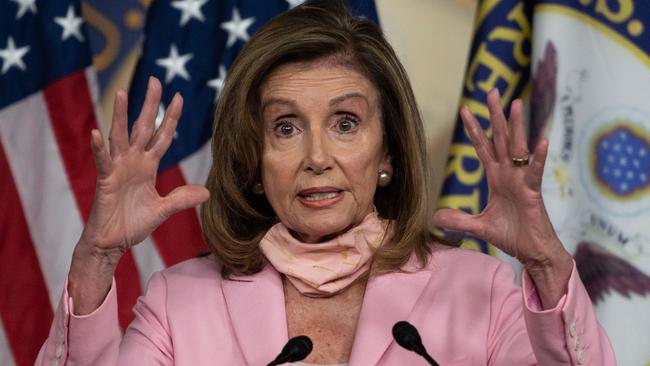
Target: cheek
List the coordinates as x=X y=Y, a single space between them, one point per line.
x=361 y=168
x=277 y=170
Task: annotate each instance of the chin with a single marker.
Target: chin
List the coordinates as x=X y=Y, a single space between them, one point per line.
x=321 y=228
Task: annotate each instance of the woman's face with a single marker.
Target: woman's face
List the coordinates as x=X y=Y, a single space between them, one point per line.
x=323 y=147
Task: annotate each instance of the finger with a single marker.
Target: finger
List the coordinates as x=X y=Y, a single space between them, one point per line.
x=184 y=197
x=499 y=126
x=536 y=171
x=518 y=144
x=144 y=125
x=457 y=220
x=163 y=137
x=481 y=143
x=118 y=137
x=102 y=158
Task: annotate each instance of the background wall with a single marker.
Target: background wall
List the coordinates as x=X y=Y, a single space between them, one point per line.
x=432 y=39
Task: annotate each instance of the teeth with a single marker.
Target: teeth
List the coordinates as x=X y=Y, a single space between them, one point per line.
x=320 y=196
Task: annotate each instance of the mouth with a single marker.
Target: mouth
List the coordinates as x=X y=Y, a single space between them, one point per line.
x=320 y=196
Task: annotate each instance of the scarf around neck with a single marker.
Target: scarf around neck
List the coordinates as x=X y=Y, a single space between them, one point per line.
x=325 y=269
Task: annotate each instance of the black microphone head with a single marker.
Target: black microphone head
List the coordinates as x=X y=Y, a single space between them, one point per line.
x=297 y=348
x=407 y=336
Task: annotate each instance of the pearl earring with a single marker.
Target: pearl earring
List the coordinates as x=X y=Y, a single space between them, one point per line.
x=258 y=189
x=384 y=178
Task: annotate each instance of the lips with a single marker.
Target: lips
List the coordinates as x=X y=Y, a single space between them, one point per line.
x=320 y=196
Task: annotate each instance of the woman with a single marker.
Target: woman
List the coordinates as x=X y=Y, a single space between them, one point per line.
x=317 y=220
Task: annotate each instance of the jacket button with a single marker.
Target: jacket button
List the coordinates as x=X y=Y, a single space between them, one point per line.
x=578 y=343
x=581 y=357
x=572 y=330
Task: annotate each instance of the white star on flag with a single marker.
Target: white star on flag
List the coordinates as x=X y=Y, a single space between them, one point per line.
x=174 y=64
x=160 y=116
x=189 y=9
x=218 y=82
x=237 y=27
x=71 y=25
x=294 y=3
x=12 y=56
x=24 y=6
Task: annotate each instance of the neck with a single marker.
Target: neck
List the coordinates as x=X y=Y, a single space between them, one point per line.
x=330 y=322
x=327 y=268
x=315 y=239
x=319 y=238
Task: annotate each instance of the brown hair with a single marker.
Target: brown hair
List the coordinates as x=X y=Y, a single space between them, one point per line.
x=234 y=219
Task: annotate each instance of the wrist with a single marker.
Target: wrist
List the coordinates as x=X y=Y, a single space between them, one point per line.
x=91 y=275
x=550 y=276
x=555 y=259
x=93 y=249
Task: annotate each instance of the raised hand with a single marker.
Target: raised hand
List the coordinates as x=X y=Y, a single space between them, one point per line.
x=514 y=219
x=127 y=207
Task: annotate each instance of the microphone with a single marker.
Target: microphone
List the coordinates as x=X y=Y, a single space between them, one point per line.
x=296 y=349
x=408 y=337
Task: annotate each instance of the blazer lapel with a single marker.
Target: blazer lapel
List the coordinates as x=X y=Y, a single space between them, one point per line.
x=257 y=312
x=388 y=299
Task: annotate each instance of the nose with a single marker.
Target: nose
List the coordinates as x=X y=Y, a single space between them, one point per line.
x=318 y=158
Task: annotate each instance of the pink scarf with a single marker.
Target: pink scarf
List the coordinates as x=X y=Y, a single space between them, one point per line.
x=324 y=269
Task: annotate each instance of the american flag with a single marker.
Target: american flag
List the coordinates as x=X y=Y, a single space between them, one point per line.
x=47 y=173
x=48 y=105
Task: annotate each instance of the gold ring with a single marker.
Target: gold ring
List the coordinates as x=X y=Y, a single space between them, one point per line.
x=521 y=161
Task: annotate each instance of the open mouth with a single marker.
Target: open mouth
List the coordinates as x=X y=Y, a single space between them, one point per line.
x=321 y=196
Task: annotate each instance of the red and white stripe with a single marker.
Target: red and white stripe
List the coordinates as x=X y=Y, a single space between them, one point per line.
x=47 y=182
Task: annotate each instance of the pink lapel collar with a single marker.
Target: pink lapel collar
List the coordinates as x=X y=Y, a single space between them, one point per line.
x=388 y=299
x=257 y=312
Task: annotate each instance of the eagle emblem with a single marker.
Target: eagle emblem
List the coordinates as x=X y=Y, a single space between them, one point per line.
x=602 y=272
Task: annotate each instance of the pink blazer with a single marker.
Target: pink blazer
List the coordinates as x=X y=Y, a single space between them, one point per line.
x=465 y=305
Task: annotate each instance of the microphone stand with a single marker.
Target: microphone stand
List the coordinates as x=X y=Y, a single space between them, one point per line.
x=430 y=360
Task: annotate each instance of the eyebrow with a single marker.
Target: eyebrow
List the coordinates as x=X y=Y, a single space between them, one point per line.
x=343 y=97
x=332 y=102
x=283 y=101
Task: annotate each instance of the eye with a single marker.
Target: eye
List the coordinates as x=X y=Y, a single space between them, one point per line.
x=347 y=124
x=285 y=129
